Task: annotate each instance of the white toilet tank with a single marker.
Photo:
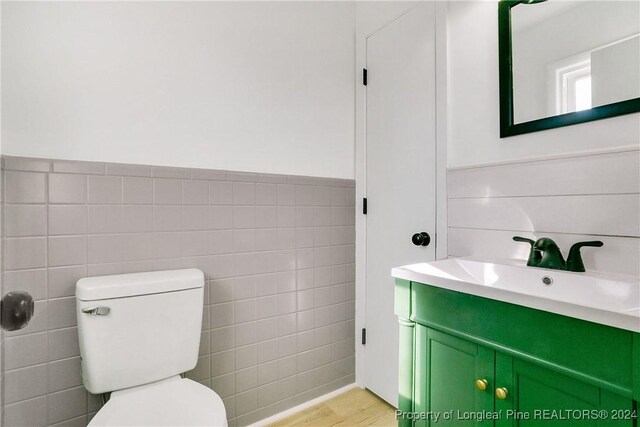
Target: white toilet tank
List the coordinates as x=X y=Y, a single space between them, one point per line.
x=138 y=328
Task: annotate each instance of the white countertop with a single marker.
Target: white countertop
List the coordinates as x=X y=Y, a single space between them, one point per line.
x=607 y=299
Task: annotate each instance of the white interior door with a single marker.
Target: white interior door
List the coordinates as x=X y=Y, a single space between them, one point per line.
x=401 y=173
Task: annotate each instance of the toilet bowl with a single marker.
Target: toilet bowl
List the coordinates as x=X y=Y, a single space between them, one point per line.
x=138 y=333
x=171 y=402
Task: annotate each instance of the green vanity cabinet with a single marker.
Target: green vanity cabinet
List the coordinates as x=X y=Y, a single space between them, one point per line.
x=472 y=361
x=536 y=389
x=450 y=366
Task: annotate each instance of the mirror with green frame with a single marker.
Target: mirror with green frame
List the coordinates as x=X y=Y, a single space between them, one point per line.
x=565 y=62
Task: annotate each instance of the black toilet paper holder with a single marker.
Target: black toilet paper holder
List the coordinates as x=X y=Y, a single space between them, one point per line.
x=16 y=310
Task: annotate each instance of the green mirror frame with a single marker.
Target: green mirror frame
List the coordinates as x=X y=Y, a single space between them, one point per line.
x=507 y=125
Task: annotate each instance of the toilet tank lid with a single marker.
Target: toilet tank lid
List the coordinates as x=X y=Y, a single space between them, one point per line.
x=136 y=284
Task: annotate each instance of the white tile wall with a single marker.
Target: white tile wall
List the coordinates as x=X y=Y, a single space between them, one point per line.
x=570 y=199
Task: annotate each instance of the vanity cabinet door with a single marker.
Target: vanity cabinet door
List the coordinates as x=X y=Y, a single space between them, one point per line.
x=539 y=397
x=448 y=386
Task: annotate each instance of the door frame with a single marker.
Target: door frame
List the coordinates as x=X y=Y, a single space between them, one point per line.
x=371 y=17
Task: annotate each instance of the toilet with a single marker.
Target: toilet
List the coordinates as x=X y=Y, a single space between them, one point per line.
x=138 y=333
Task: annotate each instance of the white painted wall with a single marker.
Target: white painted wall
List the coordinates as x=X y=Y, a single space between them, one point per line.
x=473 y=101
x=249 y=86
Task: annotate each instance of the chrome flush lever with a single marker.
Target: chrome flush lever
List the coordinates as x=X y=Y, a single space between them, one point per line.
x=97 y=311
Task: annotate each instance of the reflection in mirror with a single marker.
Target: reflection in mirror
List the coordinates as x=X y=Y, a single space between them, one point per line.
x=571 y=56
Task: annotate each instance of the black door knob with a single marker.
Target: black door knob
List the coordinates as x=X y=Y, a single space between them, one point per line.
x=421 y=239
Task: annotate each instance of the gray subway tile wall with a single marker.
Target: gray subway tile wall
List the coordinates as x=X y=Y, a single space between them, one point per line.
x=277 y=252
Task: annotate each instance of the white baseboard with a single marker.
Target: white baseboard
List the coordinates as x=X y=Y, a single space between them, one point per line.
x=284 y=414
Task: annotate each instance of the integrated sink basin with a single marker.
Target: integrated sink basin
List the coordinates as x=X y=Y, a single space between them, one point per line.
x=607 y=299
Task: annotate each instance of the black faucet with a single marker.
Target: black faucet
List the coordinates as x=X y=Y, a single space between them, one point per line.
x=534 y=255
x=545 y=253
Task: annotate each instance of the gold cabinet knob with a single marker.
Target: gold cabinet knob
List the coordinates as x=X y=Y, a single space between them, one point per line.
x=502 y=393
x=482 y=384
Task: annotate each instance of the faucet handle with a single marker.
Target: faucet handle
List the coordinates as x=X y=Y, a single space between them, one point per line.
x=574 y=260
x=534 y=255
x=523 y=239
